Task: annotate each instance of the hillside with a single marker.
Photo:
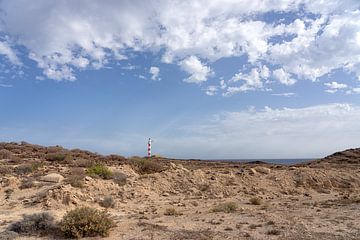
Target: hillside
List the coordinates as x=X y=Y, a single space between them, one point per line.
x=182 y=199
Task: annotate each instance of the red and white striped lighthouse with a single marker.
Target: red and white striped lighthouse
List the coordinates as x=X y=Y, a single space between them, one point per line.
x=149 y=147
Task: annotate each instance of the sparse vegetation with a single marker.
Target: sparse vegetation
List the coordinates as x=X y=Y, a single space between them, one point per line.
x=107 y=202
x=86 y=222
x=273 y=232
x=27 y=183
x=76 y=177
x=172 y=212
x=34 y=224
x=228 y=207
x=119 y=178
x=99 y=170
x=255 y=201
x=56 y=157
x=5 y=170
x=5 y=154
x=28 y=168
x=146 y=165
x=8 y=193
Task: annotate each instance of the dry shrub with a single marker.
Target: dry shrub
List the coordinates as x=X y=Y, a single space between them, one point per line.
x=5 y=170
x=83 y=162
x=5 y=154
x=56 y=157
x=107 y=202
x=8 y=193
x=34 y=224
x=76 y=177
x=119 y=178
x=28 y=168
x=228 y=207
x=146 y=165
x=99 y=170
x=273 y=232
x=27 y=183
x=86 y=222
x=8 y=235
x=172 y=212
x=255 y=201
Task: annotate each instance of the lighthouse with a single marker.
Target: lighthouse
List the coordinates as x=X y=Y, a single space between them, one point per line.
x=149 y=147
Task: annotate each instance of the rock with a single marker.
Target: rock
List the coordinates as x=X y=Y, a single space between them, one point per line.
x=263 y=170
x=253 y=171
x=53 y=177
x=87 y=178
x=165 y=194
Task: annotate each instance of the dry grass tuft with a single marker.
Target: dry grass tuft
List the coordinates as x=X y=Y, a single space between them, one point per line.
x=255 y=201
x=228 y=207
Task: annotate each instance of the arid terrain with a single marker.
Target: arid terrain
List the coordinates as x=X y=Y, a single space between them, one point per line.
x=162 y=198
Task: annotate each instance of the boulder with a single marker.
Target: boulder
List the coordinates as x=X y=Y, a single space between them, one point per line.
x=263 y=170
x=252 y=171
x=53 y=177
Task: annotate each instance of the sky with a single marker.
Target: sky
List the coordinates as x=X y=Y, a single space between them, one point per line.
x=203 y=78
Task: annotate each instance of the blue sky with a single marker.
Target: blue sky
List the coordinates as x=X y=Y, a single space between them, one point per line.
x=240 y=79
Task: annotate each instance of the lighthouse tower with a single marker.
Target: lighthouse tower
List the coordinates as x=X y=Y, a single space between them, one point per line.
x=149 y=147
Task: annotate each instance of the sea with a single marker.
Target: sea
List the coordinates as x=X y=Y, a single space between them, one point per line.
x=285 y=161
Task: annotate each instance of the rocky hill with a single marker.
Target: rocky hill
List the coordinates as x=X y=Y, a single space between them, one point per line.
x=162 y=198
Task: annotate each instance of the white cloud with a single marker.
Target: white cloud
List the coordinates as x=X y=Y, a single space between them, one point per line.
x=284 y=77
x=66 y=36
x=154 y=71
x=6 y=85
x=6 y=50
x=251 y=81
x=289 y=94
x=335 y=85
x=211 y=90
x=274 y=133
x=197 y=70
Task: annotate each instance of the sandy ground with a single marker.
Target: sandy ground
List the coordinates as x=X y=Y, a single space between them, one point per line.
x=310 y=201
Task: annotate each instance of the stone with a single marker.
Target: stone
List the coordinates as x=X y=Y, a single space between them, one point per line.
x=263 y=170
x=253 y=171
x=52 y=177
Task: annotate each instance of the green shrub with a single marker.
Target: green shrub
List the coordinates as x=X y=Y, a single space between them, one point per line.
x=228 y=207
x=146 y=165
x=86 y=222
x=107 y=202
x=38 y=223
x=99 y=170
x=119 y=178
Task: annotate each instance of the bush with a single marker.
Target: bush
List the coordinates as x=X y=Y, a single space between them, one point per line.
x=146 y=165
x=27 y=183
x=99 y=170
x=119 y=178
x=5 y=170
x=228 y=207
x=39 y=223
x=171 y=212
x=76 y=178
x=82 y=162
x=107 y=202
x=5 y=154
x=28 y=168
x=56 y=157
x=86 y=222
x=255 y=201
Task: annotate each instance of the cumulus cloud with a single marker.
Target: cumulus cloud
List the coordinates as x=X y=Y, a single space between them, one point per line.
x=198 y=71
x=211 y=90
x=64 y=37
x=284 y=77
x=306 y=132
x=154 y=71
